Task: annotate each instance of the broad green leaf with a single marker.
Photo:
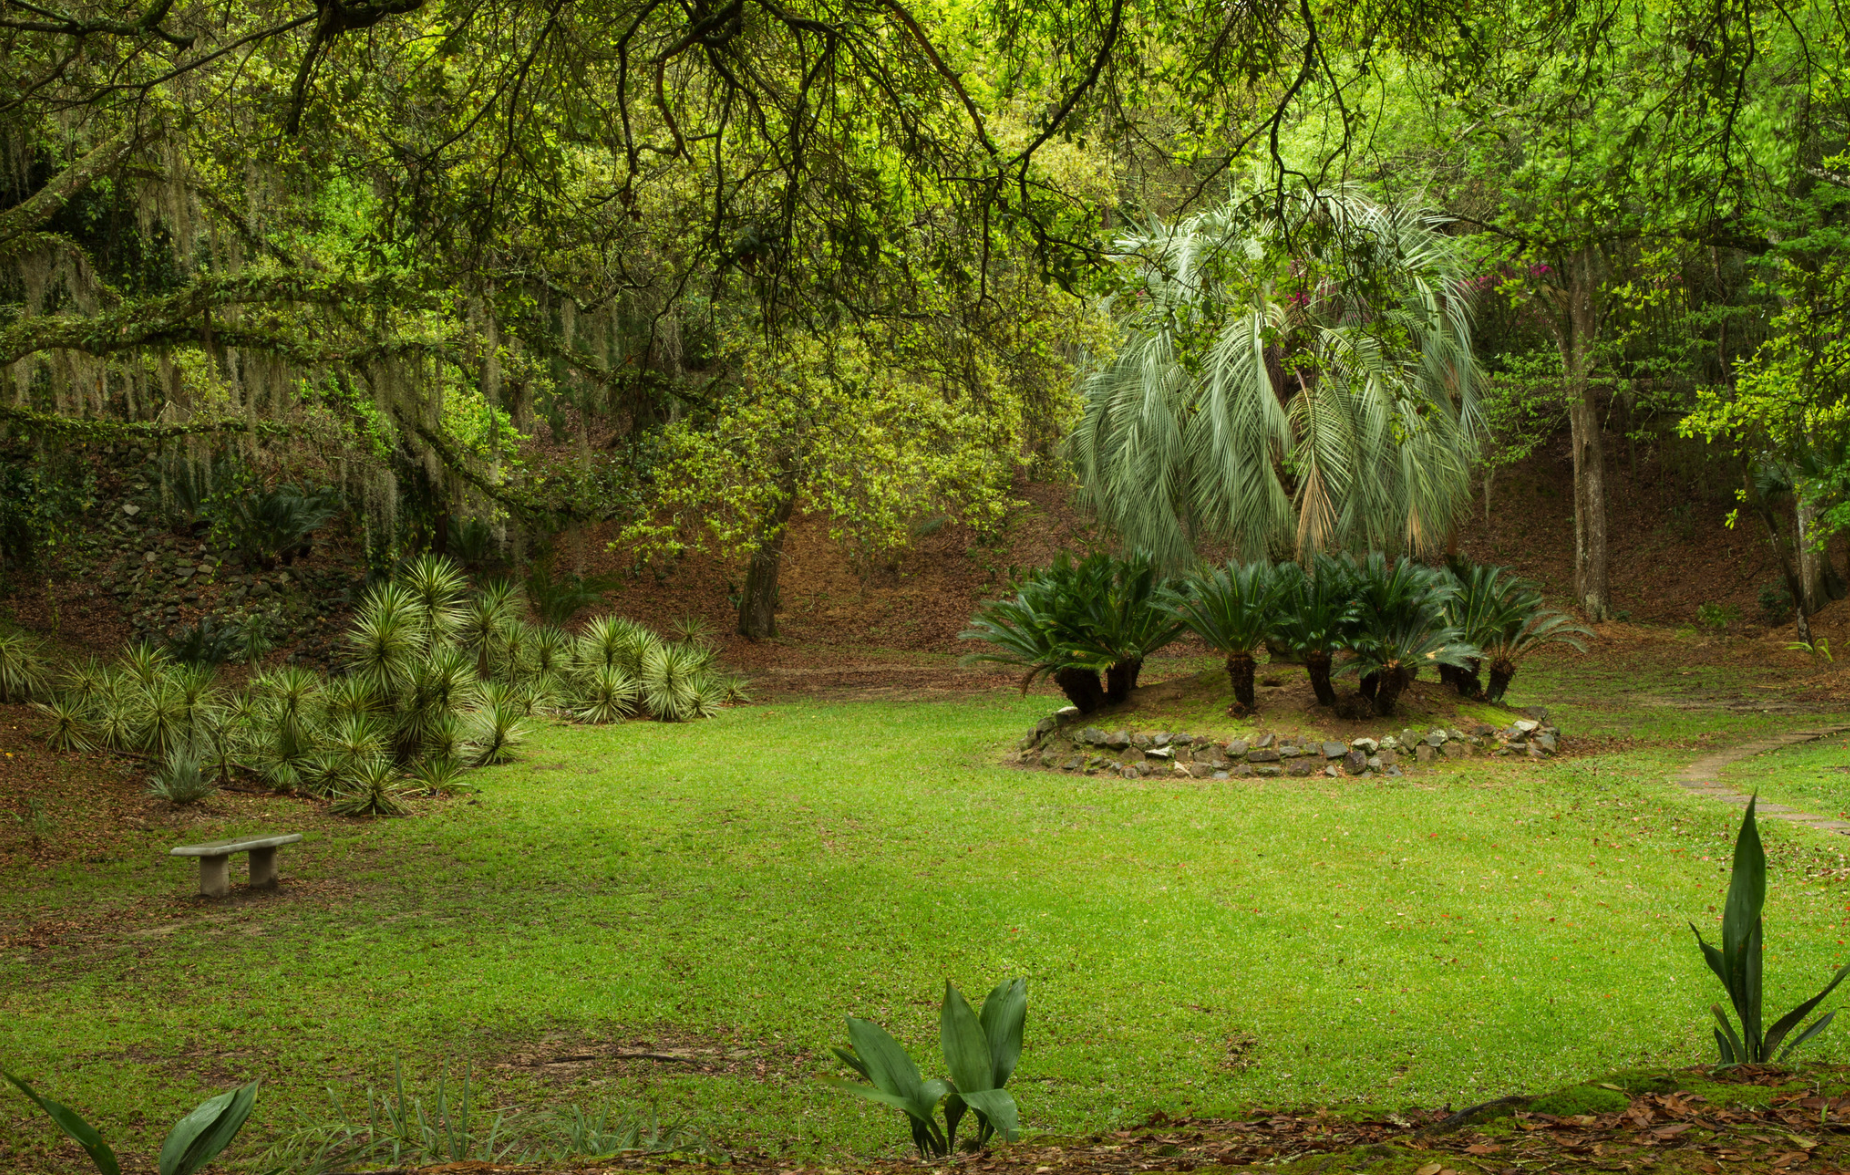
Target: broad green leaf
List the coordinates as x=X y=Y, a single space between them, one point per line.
x=198 y=1138
x=998 y=1107
x=886 y=1063
x=966 y=1049
x=1005 y=1012
x=1741 y=928
x=1791 y=1019
x=905 y=1104
x=1732 y=1052
x=80 y=1130
x=954 y=1108
x=1818 y=1025
x=1716 y=963
x=849 y=1059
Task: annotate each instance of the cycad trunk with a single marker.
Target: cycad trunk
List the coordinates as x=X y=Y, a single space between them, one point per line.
x=1393 y=680
x=1369 y=685
x=1318 y=665
x=1121 y=679
x=1463 y=678
x=1080 y=687
x=1500 y=674
x=1240 y=671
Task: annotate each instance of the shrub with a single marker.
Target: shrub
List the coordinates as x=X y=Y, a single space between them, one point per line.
x=1401 y=627
x=371 y=789
x=1232 y=609
x=22 y=666
x=179 y=780
x=277 y=524
x=1737 y=963
x=609 y=695
x=980 y=1050
x=1072 y=621
x=558 y=600
x=205 y=643
x=493 y=730
x=1717 y=616
x=65 y=727
x=1316 y=617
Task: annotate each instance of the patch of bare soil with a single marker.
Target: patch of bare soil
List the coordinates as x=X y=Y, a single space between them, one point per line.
x=572 y=1056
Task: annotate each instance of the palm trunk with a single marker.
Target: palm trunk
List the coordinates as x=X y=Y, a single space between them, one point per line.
x=1240 y=668
x=1500 y=674
x=1121 y=679
x=1080 y=687
x=1393 y=681
x=1318 y=665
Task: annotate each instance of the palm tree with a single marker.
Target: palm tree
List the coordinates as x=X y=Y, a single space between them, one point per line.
x=1316 y=617
x=1232 y=609
x=1299 y=381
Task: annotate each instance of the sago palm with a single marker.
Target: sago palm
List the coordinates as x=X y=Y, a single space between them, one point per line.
x=1232 y=609
x=1316 y=617
x=1401 y=627
x=1302 y=381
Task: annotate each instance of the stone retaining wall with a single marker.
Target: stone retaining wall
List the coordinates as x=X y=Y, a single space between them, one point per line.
x=1061 y=746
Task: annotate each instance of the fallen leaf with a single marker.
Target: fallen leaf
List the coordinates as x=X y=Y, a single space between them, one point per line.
x=1670 y=1131
x=1791 y=1159
x=1430 y=1169
x=1483 y=1148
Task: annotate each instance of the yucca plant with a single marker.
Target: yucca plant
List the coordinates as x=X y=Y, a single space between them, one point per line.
x=345 y=748
x=66 y=726
x=22 y=667
x=163 y=715
x=608 y=695
x=143 y=662
x=690 y=630
x=1316 y=617
x=114 y=713
x=1232 y=609
x=372 y=788
x=737 y=687
x=495 y=605
x=348 y=695
x=709 y=695
x=84 y=680
x=254 y=641
x=493 y=729
x=1737 y=963
x=194 y=1141
x=386 y=639
x=443 y=736
x=670 y=677
x=980 y=1050
x=439 y=587
x=179 y=780
x=437 y=775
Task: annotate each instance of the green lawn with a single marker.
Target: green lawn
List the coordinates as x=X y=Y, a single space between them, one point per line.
x=1814 y=776
x=743 y=883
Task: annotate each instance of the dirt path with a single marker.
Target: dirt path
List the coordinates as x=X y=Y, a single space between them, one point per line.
x=1704 y=777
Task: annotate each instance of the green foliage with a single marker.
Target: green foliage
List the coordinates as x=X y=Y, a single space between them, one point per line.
x=981 y=1052
x=179 y=780
x=195 y=1140
x=1295 y=374
x=206 y=643
x=66 y=727
x=266 y=525
x=1073 y=620
x=1505 y=618
x=1717 y=616
x=1819 y=648
x=1402 y=626
x=1775 y=604
x=371 y=788
x=22 y=666
x=558 y=600
x=1233 y=609
x=1316 y=616
x=1737 y=963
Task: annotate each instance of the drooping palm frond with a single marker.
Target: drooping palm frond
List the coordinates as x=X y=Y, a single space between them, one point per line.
x=1274 y=395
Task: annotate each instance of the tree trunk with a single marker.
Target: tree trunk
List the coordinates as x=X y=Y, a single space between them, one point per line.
x=1788 y=558
x=1369 y=685
x=1080 y=687
x=1467 y=682
x=1318 y=664
x=1811 y=564
x=758 y=602
x=1240 y=671
x=1121 y=679
x=1577 y=330
x=1500 y=674
x=1393 y=681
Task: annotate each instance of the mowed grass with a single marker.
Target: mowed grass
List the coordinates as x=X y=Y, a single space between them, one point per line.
x=1813 y=776
x=743 y=883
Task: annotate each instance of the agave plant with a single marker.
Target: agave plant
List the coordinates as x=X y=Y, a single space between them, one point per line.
x=1737 y=963
x=980 y=1050
x=179 y=779
x=22 y=667
x=1232 y=609
x=1316 y=617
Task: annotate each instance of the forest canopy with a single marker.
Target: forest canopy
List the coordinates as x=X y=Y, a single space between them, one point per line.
x=686 y=266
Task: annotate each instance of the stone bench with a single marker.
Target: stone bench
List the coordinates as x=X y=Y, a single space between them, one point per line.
x=215 y=861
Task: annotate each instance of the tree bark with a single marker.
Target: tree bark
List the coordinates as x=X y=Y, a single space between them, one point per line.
x=1081 y=688
x=1500 y=674
x=1811 y=564
x=1318 y=665
x=1121 y=679
x=758 y=602
x=1788 y=558
x=1240 y=672
x=1393 y=681
x=1577 y=329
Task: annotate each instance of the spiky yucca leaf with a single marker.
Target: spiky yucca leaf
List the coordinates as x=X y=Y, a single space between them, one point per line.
x=84 y=680
x=22 y=666
x=438 y=775
x=668 y=676
x=608 y=695
x=385 y=640
x=179 y=779
x=493 y=730
x=689 y=630
x=143 y=662
x=372 y=788
x=438 y=586
x=66 y=728
x=707 y=695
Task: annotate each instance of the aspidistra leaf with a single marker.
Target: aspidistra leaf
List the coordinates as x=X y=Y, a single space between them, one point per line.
x=81 y=1131
x=198 y=1138
x=966 y=1049
x=1005 y=1012
x=998 y=1108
